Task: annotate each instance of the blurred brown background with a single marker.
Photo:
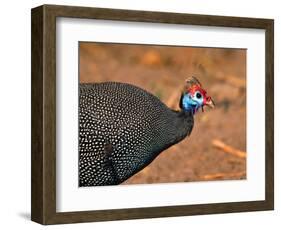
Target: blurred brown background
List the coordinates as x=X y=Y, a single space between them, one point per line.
x=216 y=149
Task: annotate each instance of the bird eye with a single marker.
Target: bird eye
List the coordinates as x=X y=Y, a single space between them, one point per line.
x=198 y=95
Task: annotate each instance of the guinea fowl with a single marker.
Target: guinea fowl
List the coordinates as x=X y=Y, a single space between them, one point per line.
x=123 y=128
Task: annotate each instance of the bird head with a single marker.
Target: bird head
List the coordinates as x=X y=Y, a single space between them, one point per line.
x=194 y=96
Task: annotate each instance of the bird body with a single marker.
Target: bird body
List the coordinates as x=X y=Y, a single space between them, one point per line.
x=122 y=128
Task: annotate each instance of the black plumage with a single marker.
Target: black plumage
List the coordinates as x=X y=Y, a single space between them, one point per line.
x=122 y=128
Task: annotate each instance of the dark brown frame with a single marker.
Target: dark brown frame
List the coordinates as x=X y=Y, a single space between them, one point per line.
x=43 y=188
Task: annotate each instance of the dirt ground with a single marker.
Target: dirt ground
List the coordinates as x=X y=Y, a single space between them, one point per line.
x=162 y=70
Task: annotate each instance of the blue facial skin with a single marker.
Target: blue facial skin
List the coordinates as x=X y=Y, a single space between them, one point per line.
x=192 y=103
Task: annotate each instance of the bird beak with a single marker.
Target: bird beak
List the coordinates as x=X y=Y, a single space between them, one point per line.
x=210 y=103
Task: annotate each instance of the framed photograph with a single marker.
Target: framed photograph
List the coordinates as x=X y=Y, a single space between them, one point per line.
x=140 y=114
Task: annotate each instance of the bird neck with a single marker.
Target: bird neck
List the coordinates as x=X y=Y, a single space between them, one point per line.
x=182 y=125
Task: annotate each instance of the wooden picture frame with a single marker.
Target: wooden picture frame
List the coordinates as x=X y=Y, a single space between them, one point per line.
x=43 y=207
